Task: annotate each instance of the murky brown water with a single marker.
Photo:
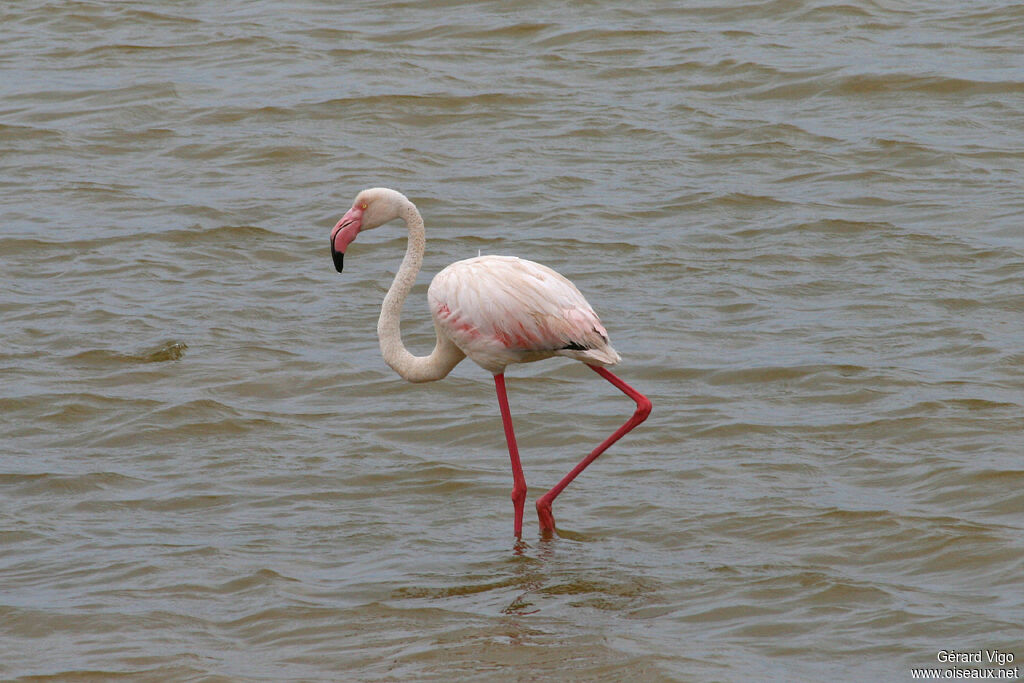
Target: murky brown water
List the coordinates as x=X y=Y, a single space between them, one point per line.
x=801 y=223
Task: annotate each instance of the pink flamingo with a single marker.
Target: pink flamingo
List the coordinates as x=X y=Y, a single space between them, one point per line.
x=497 y=310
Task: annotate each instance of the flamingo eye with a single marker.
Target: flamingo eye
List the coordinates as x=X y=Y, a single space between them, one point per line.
x=363 y=207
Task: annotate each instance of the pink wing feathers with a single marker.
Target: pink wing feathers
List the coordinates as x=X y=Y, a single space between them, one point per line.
x=502 y=309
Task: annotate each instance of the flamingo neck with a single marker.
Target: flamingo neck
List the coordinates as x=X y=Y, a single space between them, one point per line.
x=445 y=355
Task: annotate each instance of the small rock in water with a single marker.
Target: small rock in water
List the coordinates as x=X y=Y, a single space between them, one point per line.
x=169 y=351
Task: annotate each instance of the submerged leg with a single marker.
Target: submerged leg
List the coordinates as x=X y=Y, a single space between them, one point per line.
x=643 y=409
x=518 y=480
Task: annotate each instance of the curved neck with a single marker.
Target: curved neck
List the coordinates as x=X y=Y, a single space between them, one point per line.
x=445 y=355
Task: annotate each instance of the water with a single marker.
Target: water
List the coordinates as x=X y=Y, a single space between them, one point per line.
x=799 y=221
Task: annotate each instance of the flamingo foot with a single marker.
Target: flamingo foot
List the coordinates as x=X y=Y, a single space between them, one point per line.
x=518 y=503
x=547 y=520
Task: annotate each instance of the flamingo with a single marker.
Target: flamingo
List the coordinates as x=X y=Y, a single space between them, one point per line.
x=497 y=310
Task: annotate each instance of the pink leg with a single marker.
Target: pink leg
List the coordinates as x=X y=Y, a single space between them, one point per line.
x=519 y=481
x=643 y=409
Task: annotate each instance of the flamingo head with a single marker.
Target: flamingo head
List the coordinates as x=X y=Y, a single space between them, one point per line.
x=372 y=208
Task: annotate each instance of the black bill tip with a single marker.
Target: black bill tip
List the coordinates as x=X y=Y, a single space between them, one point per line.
x=339 y=258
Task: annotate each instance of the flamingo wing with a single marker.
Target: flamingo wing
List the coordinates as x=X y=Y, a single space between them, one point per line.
x=503 y=309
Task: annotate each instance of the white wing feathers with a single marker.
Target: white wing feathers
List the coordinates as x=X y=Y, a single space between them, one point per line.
x=502 y=309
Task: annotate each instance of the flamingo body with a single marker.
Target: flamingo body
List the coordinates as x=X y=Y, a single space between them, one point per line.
x=501 y=309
